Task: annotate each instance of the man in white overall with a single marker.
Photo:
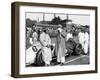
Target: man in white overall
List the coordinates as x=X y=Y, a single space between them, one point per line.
x=60 y=46
x=81 y=38
x=86 y=43
x=46 y=50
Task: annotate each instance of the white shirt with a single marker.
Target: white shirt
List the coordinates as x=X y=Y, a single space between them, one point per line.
x=69 y=35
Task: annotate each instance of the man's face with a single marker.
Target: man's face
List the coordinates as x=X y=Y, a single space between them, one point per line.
x=79 y=30
x=60 y=30
x=40 y=31
x=47 y=31
x=28 y=33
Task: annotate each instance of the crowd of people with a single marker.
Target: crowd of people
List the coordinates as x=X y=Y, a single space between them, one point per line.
x=40 y=52
x=84 y=40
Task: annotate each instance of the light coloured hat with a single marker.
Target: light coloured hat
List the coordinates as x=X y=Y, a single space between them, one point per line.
x=59 y=29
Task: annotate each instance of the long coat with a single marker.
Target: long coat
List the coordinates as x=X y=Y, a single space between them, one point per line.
x=60 y=44
x=46 y=51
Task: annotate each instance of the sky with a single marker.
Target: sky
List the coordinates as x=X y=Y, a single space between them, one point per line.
x=77 y=19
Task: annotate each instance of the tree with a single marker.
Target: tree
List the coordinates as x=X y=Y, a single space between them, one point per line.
x=30 y=23
x=56 y=21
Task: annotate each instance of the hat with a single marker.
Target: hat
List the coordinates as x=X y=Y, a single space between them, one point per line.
x=59 y=29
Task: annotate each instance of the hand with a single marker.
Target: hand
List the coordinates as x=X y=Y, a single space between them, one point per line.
x=48 y=46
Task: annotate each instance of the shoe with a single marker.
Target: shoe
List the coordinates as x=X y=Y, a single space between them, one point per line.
x=57 y=63
x=47 y=64
x=62 y=64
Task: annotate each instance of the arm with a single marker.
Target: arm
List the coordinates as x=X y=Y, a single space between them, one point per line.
x=63 y=34
x=49 y=41
x=30 y=40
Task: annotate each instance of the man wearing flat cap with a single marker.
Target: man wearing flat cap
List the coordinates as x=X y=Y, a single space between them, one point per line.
x=60 y=46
